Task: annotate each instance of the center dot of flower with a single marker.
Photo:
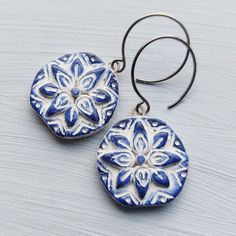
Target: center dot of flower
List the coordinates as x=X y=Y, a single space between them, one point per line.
x=140 y=159
x=75 y=92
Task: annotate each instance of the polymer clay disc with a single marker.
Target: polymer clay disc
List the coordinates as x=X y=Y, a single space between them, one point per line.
x=142 y=162
x=75 y=95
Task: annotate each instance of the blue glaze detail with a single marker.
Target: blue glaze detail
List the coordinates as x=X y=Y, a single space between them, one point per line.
x=113 y=83
x=75 y=92
x=160 y=139
x=118 y=159
x=71 y=116
x=63 y=79
x=142 y=181
x=119 y=141
x=58 y=104
x=123 y=178
x=39 y=76
x=48 y=90
x=73 y=95
x=123 y=124
x=166 y=159
x=91 y=59
x=64 y=58
x=77 y=68
x=178 y=144
x=140 y=164
x=101 y=96
x=88 y=109
x=160 y=178
x=90 y=79
x=140 y=159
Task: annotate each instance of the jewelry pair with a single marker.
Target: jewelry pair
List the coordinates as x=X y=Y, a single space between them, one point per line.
x=141 y=161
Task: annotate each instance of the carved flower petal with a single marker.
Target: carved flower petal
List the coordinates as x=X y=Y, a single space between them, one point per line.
x=59 y=104
x=124 y=177
x=101 y=96
x=92 y=59
x=63 y=79
x=160 y=140
x=77 y=68
x=178 y=144
x=142 y=179
x=88 y=81
x=71 y=116
x=159 y=177
x=140 y=142
x=118 y=159
x=163 y=159
x=88 y=109
x=48 y=90
x=120 y=141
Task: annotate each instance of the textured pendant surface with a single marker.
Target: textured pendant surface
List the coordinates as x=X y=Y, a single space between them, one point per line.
x=142 y=162
x=75 y=95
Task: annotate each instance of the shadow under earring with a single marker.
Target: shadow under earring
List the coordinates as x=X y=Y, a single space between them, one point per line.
x=76 y=95
x=141 y=160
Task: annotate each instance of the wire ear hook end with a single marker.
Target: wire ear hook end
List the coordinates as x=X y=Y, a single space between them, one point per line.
x=144 y=100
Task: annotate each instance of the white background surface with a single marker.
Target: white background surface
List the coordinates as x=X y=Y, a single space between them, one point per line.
x=50 y=186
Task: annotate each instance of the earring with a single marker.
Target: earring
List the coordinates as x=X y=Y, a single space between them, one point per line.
x=77 y=94
x=141 y=160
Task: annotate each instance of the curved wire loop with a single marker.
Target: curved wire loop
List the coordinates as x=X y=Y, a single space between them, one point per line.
x=139 y=107
x=118 y=65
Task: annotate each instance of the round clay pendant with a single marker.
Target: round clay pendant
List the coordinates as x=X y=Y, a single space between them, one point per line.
x=142 y=162
x=75 y=95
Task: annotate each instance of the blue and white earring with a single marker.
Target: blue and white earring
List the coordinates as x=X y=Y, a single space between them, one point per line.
x=76 y=95
x=141 y=160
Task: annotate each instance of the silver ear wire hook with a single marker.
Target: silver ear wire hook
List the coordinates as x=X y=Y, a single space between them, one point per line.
x=116 y=64
x=139 y=109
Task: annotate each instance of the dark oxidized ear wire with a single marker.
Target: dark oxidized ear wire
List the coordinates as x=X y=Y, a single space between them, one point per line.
x=118 y=65
x=139 y=109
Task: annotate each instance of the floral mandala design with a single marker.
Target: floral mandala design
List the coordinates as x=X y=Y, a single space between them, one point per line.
x=75 y=95
x=142 y=162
